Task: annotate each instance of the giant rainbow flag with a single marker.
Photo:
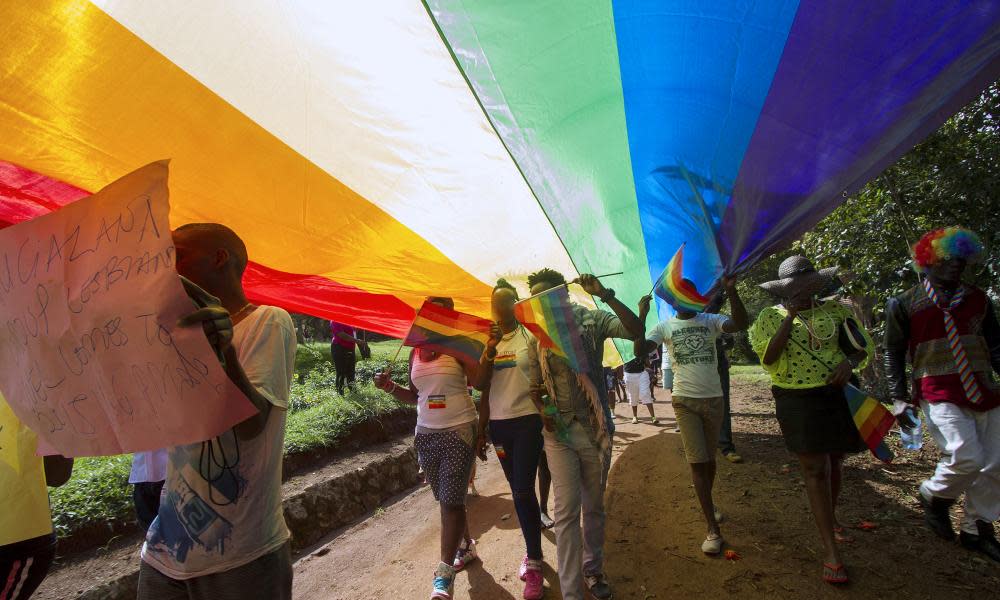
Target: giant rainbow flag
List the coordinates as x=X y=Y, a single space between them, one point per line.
x=372 y=154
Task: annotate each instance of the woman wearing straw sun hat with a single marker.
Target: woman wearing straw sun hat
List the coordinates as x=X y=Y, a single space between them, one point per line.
x=810 y=349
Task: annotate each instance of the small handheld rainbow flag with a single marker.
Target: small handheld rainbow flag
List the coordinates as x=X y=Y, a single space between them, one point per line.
x=449 y=332
x=549 y=316
x=674 y=290
x=872 y=420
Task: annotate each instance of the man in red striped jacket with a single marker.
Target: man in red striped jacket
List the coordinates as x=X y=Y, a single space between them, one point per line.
x=949 y=332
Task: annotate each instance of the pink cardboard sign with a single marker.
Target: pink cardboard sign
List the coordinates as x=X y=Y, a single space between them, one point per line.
x=90 y=355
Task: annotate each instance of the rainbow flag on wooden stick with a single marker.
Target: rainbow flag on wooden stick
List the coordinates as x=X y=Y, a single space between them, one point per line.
x=872 y=420
x=674 y=290
x=449 y=332
x=549 y=316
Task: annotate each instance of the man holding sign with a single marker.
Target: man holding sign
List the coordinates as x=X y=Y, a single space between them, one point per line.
x=220 y=532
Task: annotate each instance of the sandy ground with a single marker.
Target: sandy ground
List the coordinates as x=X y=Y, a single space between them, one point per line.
x=655 y=531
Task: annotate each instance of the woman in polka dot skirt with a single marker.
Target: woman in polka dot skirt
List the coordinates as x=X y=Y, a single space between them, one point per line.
x=811 y=349
x=445 y=437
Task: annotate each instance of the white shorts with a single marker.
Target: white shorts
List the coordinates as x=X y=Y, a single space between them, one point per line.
x=637 y=388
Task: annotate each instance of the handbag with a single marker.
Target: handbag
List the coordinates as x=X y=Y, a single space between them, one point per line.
x=850 y=338
x=363 y=348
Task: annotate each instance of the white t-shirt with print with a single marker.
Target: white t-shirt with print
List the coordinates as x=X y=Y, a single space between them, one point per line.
x=513 y=372
x=443 y=398
x=691 y=344
x=221 y=504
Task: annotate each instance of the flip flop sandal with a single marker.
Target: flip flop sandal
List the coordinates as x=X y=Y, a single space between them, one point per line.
x=834 y=574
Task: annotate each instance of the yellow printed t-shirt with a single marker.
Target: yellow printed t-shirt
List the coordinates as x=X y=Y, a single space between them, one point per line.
x=796 y=368
x=23 y=494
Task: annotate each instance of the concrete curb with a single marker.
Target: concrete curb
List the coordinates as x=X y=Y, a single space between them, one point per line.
x=318 y=503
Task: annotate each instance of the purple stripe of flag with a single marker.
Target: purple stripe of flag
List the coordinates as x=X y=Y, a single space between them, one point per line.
x=858 y=84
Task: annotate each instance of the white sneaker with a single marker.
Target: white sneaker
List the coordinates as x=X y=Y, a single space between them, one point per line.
x=712 y=544
x=466 y=555
x=635 y=420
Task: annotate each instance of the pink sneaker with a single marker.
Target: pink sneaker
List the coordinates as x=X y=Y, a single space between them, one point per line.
x=531 y=574
x=525 y=564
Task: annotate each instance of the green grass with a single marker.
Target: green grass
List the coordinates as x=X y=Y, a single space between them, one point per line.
x=386 y=350
x=317 y=418
x=98 y=491
x=310 y=355
x=749 y=374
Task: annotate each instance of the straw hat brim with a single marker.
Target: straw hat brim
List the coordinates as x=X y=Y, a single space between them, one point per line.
x=810 y=283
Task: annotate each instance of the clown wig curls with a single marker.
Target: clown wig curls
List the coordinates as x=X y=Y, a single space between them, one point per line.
x=946 y=243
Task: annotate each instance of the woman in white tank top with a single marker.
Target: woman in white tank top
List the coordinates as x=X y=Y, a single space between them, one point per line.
x=444 y=439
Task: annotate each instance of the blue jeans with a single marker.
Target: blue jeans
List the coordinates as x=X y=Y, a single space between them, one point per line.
x=518 y=443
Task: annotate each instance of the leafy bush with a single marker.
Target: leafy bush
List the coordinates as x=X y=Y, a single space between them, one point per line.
x=98 y=491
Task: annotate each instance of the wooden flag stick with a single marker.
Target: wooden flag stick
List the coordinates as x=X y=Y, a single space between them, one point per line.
x=577 y=280
x=567 y=284
x=398 y=350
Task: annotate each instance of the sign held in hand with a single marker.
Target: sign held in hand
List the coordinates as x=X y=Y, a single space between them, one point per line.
x=92 y=359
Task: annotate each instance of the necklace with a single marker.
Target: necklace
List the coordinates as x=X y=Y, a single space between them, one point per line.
x=509 y=336
x=815 y=340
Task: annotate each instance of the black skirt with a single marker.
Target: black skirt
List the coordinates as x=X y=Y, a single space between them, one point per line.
x=817 y=421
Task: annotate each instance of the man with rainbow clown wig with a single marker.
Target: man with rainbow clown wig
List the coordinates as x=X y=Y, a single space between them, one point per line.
x=949 y=332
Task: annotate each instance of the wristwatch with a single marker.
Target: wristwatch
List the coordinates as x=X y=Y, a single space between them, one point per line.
x=607 y=295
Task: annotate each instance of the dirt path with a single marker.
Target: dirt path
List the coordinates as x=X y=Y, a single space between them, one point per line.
x=394 y=553
x=654 y=530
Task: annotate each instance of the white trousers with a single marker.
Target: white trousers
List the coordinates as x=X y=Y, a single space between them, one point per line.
x=637 y=388
x=970 y=463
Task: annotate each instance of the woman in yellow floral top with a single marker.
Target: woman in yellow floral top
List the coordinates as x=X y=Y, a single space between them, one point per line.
x=802 y=343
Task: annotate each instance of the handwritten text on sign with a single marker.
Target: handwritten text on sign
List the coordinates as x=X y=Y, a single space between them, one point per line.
x=91 y=358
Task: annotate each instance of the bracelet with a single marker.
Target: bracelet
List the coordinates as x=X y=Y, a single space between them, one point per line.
x=607 y=295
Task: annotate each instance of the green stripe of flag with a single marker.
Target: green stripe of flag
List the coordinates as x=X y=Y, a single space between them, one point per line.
x=547 y=76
